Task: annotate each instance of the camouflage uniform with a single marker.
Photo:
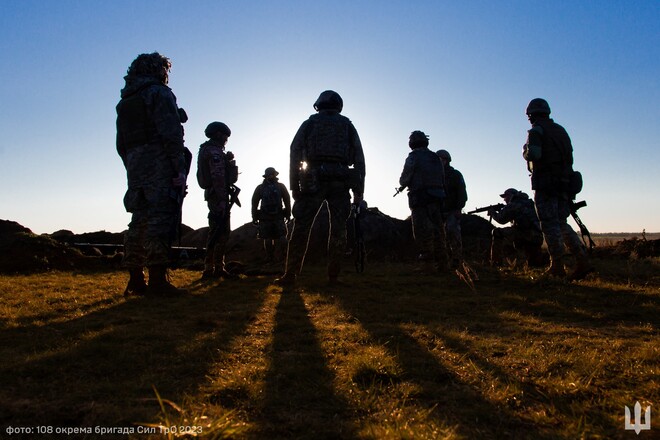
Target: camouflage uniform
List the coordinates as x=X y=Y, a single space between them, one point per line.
x=423 y=175
x=453 y=205
x=328 y=144
x=549 y=155
x=524 y=234
x=150 y=143
x=271 y=194
x=212 y=159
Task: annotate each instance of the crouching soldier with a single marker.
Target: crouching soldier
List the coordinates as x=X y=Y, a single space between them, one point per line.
x=523 y=235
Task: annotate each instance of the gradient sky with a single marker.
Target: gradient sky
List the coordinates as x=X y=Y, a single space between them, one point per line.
x=462 y=71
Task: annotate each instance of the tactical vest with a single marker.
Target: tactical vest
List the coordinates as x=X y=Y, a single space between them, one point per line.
x=328 y=139
x=133 y=121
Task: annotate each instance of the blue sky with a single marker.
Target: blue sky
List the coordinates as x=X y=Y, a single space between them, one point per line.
x=463 y=72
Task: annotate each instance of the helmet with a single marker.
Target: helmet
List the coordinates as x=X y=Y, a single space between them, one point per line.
x=444 y=154
x=418 y=139
x=538 y=105
x=270 y=171
x=509 y=192
x=215 y=127
x=329 y=100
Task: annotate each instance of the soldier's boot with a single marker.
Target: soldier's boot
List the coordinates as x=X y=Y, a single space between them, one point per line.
x=582 y=269
x=286 y=280
x=556 y=269
x=136 y=284
x=159 y=285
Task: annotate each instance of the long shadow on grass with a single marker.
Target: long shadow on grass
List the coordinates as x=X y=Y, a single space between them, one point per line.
x=98 y=369
x=450 y=400
x=299 y=400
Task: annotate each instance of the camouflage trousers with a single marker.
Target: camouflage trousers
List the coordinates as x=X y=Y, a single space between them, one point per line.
x=453 y=234
x=148 y=239
x=304 y=211
x=273 y=232
x=216 y=241
x=429 y=232
x=553 y=211
x=509 y=241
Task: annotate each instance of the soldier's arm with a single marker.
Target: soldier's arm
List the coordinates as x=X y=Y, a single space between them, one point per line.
x=358 y=156
x=165 y=113
x=286 y=198
x=461 y=191
x=296 y=157
x=532 y=149
x=407 y=173
x=256 y=198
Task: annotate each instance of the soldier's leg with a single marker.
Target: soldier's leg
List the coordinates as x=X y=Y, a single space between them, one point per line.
x=304 y=210
x=440 y=238
x=453 y=234
x=211 y=241
x=339 y=209
x=422 y=227
x=547 y=208
x=134 y=254
x=160 y=224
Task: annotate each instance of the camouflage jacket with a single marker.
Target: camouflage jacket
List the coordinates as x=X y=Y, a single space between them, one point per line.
x=211 y=158
x=149 y=133
x=549 y=155
x=422 y=170
x=520 y=212
x=326 y=137
x=455 y=189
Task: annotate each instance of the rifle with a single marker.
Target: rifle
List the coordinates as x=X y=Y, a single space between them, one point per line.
x=583 y=229
x=399 y=190
x=233 y=192
x=357 y=211
x=489 y=209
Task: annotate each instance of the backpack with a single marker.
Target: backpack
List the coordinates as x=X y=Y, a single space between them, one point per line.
x=204 y=173
x=271 y=199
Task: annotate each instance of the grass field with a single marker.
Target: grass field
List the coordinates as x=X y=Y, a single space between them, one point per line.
x=388 y=355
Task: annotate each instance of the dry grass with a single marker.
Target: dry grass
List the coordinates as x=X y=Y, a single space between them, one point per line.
x=388 y=355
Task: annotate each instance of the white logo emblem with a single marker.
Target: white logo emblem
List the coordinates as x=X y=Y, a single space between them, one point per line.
x=638 y=426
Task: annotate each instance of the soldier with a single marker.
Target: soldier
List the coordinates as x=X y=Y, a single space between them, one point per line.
x=549 y=155
x=323 y=151
x=525 y=232
x=423 y=175
x=271 y=206
x=150 y=144
x=454 y=203
x=216 y=174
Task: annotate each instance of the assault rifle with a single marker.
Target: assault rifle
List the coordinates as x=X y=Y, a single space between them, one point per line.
x=398 y=190
x=357 y=211
x=584 y=232
x=489 y=209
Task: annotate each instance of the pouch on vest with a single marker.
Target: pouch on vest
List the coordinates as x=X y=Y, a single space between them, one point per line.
x=575 y=183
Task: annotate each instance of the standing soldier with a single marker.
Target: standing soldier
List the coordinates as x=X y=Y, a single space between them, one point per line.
x=271 y=206
x=525 y=232
x=150 y=143
x=455 y=200
x=549 y=155
x=216 y=174
x=323 y=151
x=424 y=176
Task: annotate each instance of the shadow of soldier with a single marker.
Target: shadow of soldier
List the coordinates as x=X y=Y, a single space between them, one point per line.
x=100 y=368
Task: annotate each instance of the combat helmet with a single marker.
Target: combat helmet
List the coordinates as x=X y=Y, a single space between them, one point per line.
x=329 y=100
x=444 y=154
x=418 y=139
x=215 y=127
x=509 y=192
x=538 y=106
